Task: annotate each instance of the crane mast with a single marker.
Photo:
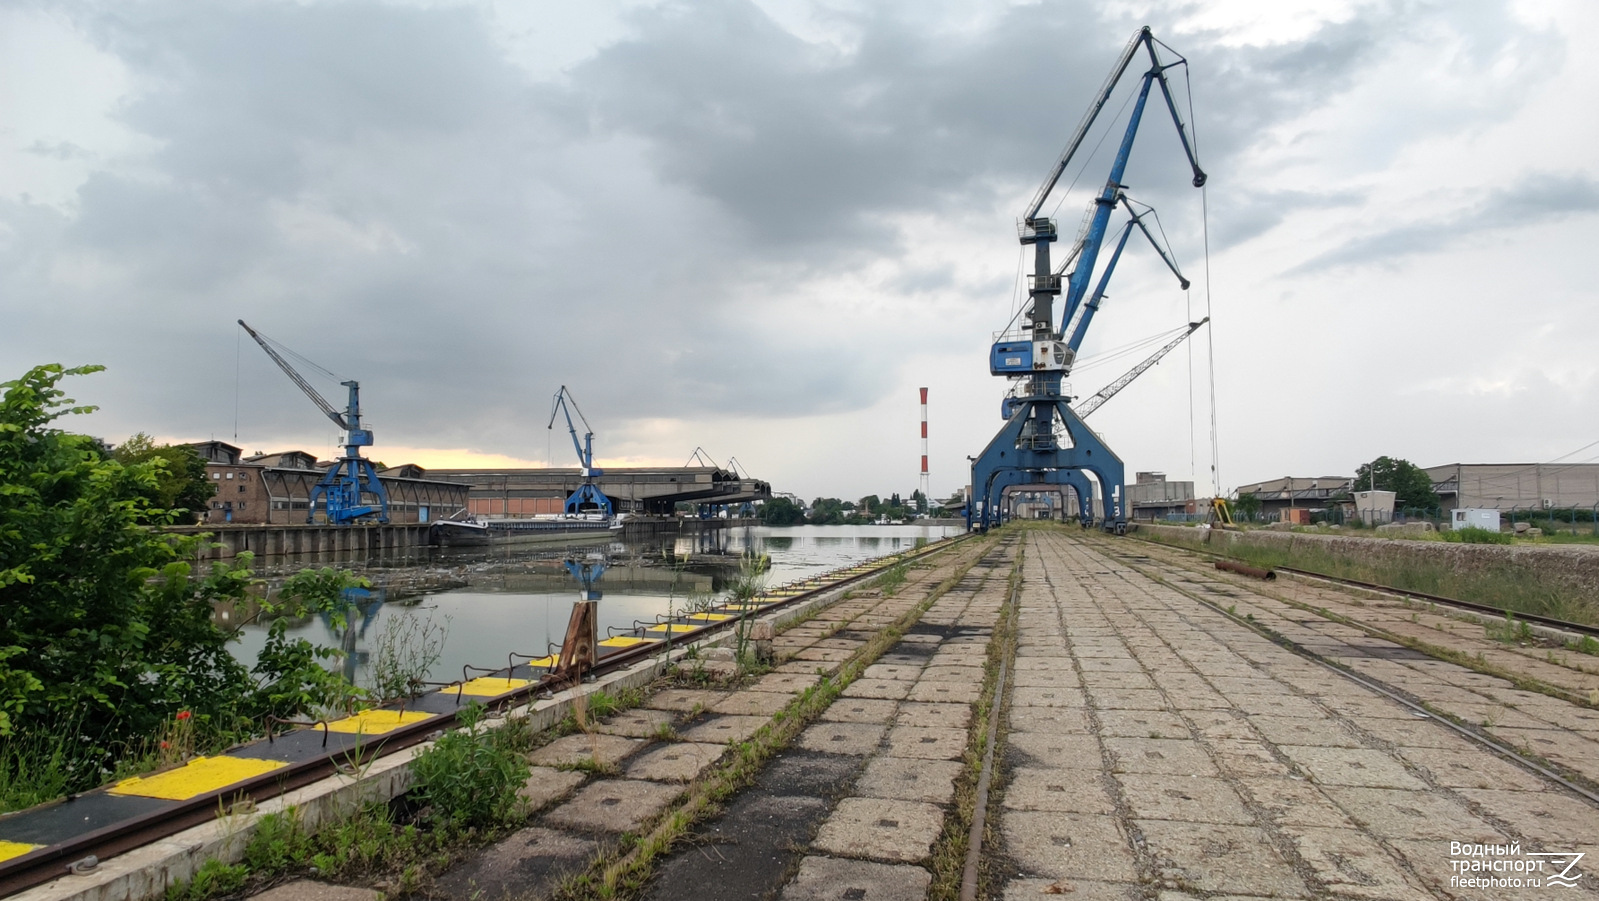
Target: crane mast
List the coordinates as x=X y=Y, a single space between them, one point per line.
x=1029 y=448
x=588 y=498
x=350 y=490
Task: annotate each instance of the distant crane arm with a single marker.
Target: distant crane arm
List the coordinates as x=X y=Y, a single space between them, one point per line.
x=565 y=403
x=298 y=379
x=1109 y=391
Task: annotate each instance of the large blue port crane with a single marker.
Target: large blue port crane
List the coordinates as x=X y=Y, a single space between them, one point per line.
x=1043 y=442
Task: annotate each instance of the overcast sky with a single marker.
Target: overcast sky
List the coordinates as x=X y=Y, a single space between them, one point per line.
x=758 y=227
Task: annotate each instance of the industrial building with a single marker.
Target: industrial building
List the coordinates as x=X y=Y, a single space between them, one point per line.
x=1294 y=493
x=1510 y=487
x=1152 y=497
x=276 y=488
x=526 y=492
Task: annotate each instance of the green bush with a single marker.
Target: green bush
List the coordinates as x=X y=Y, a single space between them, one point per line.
x=470 y=776
x=106 y=631
x=1476 y=535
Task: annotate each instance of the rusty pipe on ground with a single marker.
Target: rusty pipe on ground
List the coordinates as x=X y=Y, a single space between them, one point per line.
x=1244 y=569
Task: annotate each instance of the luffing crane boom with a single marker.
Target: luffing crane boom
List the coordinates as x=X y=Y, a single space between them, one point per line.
x=350 y=490
x=1109 y=391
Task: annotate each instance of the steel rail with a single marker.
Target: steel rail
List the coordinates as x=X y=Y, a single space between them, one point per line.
x=53 y=861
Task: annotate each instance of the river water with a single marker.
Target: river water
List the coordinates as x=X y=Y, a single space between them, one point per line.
x=507 y=600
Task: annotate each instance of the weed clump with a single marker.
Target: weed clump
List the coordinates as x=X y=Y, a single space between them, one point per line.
x=1476 y=535
x=470 y=776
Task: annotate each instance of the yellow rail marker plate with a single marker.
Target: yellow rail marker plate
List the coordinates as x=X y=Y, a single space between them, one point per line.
x=673 y=629
x=9 y=850
x=710 y=617
x=489 y=686
x=198 y=776
x=550 y=662
x=627 y=641
x=377 y=722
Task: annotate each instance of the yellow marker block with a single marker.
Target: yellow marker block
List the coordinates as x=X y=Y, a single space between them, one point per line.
x=710 y=617
x=377 y=722
x=9 y=850
x=672 y=629
x=198 y=776
x=489 y=686
x=753 y=605
x=550 y=662
x=627 y=641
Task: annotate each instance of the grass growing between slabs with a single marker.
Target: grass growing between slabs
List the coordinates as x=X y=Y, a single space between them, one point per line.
x=626 y=870
x=950 y=850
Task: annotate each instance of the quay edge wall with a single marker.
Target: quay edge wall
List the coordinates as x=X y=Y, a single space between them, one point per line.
x=1570 y=570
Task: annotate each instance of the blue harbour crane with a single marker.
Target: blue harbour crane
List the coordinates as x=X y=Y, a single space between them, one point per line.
x=350 y=489
x=588 y=498
x=1043 y=441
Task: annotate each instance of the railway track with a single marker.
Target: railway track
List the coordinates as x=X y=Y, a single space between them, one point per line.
x=1578 y=783
x=75 y=834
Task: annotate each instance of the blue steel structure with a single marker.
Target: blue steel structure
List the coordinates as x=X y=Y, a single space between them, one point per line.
x=587 y=573
x=350 y=490
x=588 y=498
x=1029 y=449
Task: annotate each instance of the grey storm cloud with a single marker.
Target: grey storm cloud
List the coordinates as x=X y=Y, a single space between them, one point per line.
x=382 y=188
x=1541 y=197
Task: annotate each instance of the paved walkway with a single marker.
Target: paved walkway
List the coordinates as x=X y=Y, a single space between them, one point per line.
x=1158 y=746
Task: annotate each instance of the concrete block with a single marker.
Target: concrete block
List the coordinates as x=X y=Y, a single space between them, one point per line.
x=861 y=710
x=586 y=748
x=724 y=728
x=753 y=703
x=613 y=805
x=882 y=829
x=906 y=779
x=828 y=879
x=545 y=786
x=680 y=761
x=856 y=739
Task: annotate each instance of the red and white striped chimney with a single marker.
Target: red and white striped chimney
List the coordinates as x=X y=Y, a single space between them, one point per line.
x=925 y=496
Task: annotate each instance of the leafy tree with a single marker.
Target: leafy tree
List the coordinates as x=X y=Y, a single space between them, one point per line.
x=780 y=511
x=826 y=511
x=105 y=630
x=180 y=482
x=1411 y=485
x=870 y=504
x=1248 y=505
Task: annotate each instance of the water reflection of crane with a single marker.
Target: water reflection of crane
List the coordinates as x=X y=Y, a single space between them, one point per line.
x=587 y=572
x=364 y=601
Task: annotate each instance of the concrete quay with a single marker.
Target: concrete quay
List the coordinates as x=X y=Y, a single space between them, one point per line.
x=1167 y=733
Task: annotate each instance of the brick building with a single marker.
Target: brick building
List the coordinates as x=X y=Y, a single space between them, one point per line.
x=276 y=488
